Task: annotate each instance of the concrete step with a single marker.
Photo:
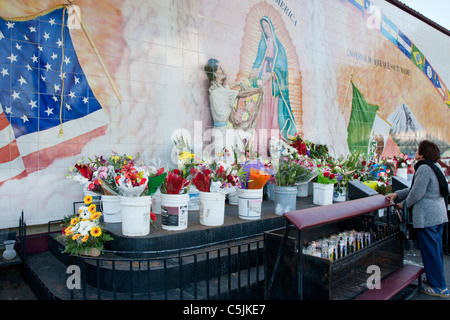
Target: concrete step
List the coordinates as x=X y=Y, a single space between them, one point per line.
x=48 y=278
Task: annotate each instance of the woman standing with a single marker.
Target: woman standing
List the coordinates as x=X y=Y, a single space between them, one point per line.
x=427 y=198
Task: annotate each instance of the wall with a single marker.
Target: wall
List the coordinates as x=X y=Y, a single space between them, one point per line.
x=155 y=51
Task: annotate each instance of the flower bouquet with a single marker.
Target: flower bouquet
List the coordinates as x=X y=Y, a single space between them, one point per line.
x=292 y=171
x=82 y=233
x=83 y=173
x=218 y=176
x=175 y=183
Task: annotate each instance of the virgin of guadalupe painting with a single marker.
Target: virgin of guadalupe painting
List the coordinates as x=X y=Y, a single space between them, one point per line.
x=271 y=60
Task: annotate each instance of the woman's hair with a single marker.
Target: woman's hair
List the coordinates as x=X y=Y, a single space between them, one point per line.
x=429 y=150
x=211 y=66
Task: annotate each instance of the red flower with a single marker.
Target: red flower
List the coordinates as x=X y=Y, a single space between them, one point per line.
x=326 y=174
x=332 y=176
x=85 y=170
x=202 y=182
x=174 y=182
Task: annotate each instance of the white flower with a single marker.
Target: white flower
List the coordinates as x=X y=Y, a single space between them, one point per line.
x=85 y=227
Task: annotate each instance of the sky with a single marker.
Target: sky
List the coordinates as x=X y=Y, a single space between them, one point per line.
x=436 y=10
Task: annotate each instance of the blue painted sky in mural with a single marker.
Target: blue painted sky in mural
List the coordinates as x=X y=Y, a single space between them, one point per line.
x=436 y=10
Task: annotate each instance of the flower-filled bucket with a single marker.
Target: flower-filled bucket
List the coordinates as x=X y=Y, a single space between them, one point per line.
x=285 y=199
x=112 y=210
x=250 y=203
x=323 y=194
x=135 y=215
x=340 y=196
x=174 y=211
x=402 y=173
x=212 y=208
x=302 y=189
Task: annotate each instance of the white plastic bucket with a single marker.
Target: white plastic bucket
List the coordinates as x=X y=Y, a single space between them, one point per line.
x=193 y=198
x=135 y=215
x=285 y=199
x=174 y=211
x=112 y=210
x=323 y=194
x=402 y=173
x=340 y=197
x=302 y=189
x=250 y=203
x=233 y=198
x=211 y=208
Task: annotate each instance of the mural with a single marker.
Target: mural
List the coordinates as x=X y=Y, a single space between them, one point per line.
x=83 y=80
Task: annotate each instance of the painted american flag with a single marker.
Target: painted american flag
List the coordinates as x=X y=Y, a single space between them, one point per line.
x=42 y=88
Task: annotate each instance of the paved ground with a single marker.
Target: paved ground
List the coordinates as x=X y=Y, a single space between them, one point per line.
x=13 y=287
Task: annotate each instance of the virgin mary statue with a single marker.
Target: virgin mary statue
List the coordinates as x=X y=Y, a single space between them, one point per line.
x=271 y=61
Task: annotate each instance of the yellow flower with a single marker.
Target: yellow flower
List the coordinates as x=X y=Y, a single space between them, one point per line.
x=91 y=208
x=95 y=215
x=87 y=199
x=74 y=221
x=76 y=236
x=68 y=231
x=115 y=158
x=85 y=238
x=186 y=156
x=130 y=157
x=96 y=231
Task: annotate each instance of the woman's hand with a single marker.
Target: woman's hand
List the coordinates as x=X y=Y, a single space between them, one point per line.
x=391 y=196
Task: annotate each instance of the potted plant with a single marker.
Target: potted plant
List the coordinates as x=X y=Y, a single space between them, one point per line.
x=402 y=163
x=305 y=174
x=105 y=170
x=290 y=171
x=82 y=233
x=323 y=188
x=175 y=200
x=214 y=179
x=82 y=172
x=136 y=185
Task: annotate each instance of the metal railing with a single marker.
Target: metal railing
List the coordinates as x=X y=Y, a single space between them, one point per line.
x=230 y=269
x=216 y=271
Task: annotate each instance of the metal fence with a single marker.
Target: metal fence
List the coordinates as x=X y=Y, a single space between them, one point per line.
x=221 y=270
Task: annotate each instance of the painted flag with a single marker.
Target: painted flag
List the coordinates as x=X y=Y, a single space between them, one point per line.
x=417 y=57
x=440 y=87
x=361 y=122
x=359 y=4
x=380 y=133
x=404 y=44
x=429 y=72
x=43 y=89
x=389 y=29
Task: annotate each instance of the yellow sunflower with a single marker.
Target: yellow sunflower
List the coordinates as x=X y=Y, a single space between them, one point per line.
x=74 y=221
x=96 y=231
x=95 y=215
x=76 y=236
x=68 y=231
x=85 y=238
x=87 y=199
x=91 y=208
